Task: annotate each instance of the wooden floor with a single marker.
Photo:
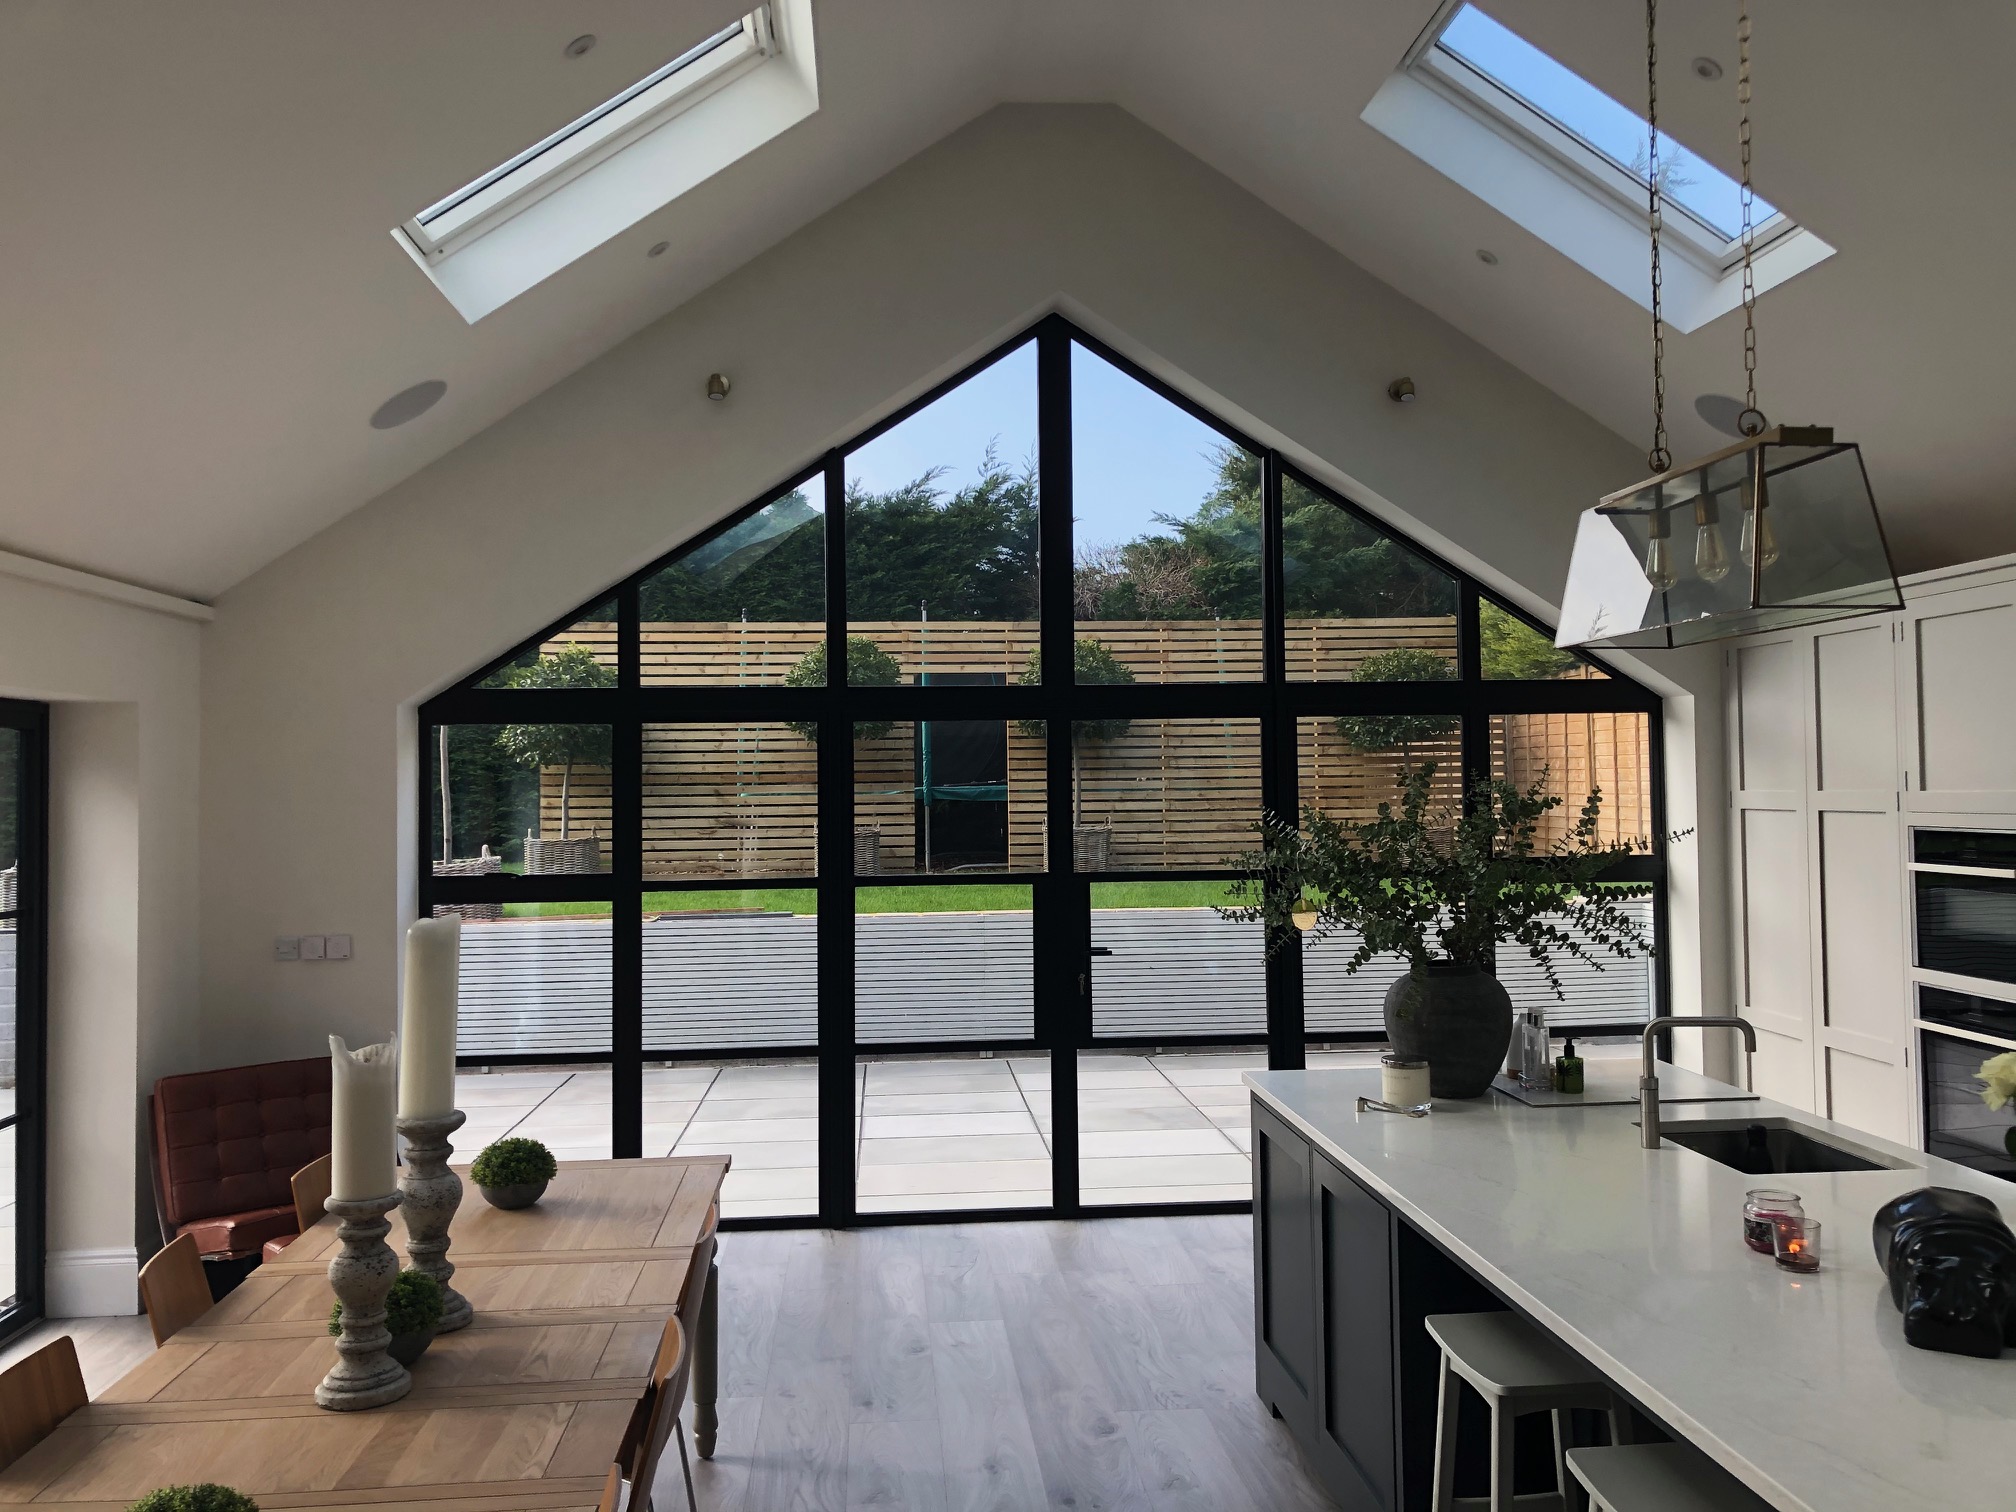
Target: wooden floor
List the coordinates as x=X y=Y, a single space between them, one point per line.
x=106 y=1347
x=1005 y=1366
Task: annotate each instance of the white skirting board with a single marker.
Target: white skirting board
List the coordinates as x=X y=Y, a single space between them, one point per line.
x=92 y=1283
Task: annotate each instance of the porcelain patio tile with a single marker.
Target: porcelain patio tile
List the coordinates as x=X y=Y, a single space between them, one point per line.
x=724 y=1108
x=943 y=1125
x=756 y=1155
x=956 y=1177
x=1160 y=1170
x=1135 y=1196
x=889 y=1104
x=960 y=1149
x=752 y=1130
x=1152 y=1142
x=946 y=1202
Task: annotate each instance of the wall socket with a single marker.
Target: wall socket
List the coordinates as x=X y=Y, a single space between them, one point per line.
x=335 y=947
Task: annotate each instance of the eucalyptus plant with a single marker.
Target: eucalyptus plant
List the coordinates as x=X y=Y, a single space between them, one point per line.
x=1433 y=881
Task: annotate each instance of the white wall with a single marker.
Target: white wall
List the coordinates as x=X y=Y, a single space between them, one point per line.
x=123 y=680
x=313 y=666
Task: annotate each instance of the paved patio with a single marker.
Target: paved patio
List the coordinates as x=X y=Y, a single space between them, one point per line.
x=931 y=1135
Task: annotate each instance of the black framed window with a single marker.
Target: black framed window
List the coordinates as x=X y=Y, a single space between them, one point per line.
x=24 y=794
x=902 y=799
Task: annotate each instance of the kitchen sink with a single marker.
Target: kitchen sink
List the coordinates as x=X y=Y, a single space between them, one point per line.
x=1773 y=1147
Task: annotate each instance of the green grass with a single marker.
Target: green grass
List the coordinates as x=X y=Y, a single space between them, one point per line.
x=930 y=897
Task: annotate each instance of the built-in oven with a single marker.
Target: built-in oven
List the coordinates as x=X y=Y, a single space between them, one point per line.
x=1958 y=1124
x=1963 y=885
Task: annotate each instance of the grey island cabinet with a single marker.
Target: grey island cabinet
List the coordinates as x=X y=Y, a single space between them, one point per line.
x=1802 y=1387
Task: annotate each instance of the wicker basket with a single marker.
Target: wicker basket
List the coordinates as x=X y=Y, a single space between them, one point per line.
x=1092 y=848
x=545 y=858
x=485 y=865
x=868 y=850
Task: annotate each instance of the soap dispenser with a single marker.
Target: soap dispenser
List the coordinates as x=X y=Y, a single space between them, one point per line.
x=1568 y=1069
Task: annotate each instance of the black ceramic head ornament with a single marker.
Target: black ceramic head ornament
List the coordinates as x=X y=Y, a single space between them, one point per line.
x=1951 y=1261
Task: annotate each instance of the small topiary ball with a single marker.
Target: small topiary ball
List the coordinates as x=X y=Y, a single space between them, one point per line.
x=206 y=1497
x=510 y=1162
x=414 y=1305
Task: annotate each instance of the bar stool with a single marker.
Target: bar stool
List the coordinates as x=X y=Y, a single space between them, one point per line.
x=1517 y=1371
x=1659 y=1478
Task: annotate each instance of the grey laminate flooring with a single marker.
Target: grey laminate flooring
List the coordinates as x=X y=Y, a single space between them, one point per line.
x=1095 y=1365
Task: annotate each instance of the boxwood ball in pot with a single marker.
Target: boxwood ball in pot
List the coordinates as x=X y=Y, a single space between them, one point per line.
x=512 y=1173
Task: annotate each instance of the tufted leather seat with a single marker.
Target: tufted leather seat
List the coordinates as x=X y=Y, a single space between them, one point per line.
x=226 y=1144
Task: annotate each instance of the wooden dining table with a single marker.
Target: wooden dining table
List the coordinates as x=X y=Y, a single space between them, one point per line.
x=523 y=1409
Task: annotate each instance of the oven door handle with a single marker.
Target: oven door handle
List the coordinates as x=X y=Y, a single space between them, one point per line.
x=2004 y=873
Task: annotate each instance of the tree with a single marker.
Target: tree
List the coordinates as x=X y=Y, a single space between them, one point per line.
x=967 y=554
x=562 y=745
x=1091 y=663
x=1513 y=649
x=1388 y=732
x=868 y=666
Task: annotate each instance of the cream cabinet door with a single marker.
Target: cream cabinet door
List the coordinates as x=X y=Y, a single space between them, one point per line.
x=1959 y=686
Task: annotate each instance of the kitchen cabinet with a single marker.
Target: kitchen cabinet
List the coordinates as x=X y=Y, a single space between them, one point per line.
x=1841 y=737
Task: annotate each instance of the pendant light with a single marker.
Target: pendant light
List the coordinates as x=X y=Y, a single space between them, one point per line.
x=1651 y=565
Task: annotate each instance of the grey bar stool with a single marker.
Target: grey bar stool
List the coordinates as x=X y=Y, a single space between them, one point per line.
x=1659 y=1478
x=1517 y=1370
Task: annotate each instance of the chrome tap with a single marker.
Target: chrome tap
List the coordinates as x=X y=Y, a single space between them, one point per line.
x=1648 y=1082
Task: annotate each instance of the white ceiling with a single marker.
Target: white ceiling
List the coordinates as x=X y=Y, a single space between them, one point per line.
x=200 y=306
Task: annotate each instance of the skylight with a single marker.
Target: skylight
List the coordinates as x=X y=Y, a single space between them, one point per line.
x=1501 y=61
x=564 y=195
x=1564 y=161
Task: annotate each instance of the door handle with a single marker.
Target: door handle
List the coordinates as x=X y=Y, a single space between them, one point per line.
x=1099 y=950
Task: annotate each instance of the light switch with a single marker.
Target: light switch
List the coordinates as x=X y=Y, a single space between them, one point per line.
x=287 y=948
x=312 y=947
x=337 y=948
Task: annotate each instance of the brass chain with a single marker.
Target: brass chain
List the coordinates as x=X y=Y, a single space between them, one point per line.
x=1751 y=422
x=1659 y=459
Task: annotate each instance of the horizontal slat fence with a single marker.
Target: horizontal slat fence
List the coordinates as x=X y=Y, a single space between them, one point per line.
x=741 y=983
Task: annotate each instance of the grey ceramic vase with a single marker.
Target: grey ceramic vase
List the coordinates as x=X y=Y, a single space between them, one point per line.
x=519 y=1194
x=1456 y=1018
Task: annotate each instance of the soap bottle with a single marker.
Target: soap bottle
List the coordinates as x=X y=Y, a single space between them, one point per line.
x=1535 y=1073
x=1568 y=1069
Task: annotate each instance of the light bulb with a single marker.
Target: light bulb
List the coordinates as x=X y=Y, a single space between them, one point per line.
x=1711 y=557
x=1757 y=529
x=1659 y=564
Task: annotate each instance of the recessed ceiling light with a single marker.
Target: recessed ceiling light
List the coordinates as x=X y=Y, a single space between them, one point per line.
x=1706 y=68
x=1720 y=411
x=1487 y=257
x=657 y=249
x=408 y=404
x=580 y=46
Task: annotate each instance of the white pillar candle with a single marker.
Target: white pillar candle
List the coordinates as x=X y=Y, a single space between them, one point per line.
x=427 y=1021
x=362 y=1085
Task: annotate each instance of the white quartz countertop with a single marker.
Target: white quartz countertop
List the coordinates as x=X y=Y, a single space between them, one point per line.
x=1802 y=1386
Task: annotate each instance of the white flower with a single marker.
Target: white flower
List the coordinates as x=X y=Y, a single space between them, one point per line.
x=1999 y=1072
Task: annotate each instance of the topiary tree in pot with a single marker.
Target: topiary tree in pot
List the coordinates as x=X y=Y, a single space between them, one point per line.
x=413 y=1311
x=563 y=745
x=1092 y=663
x=205 y=1496
x=1443 y=886
x=868 y=666
x=1396 y=732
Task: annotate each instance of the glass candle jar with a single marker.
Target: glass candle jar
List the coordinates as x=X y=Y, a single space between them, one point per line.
x=1763 y=1208
x=1796 y=1243
x=1403 y=1083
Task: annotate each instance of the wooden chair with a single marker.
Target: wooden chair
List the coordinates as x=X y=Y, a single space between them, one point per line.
x=310 y=1185
x=694 y=1289
x=657 y=1417
x=36 y=1394
x=174 y=1289
x=612 y=1491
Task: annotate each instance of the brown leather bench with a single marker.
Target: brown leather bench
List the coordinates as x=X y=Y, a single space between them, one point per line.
x=226 y=1145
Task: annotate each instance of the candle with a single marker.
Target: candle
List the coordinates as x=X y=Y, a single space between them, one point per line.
x=427 y=1022
x=362 y=1083
x=1797 y=1244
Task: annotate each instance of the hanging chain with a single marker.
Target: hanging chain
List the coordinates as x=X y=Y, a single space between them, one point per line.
x=1659 y=459
x=1751 y=422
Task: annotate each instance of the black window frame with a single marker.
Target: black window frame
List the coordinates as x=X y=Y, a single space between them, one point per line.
x=31 y=1053
x=1062 y=1017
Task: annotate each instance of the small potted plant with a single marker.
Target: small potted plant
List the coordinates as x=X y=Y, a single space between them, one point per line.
x=207 y=1496
x=512 y=1173
x=412 y=1313
x=1998 y=1076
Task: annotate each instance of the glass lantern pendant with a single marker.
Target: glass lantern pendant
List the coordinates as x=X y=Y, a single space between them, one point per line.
x=1810 y=546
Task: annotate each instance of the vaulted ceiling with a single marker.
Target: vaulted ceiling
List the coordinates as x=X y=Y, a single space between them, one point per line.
x=201 y=307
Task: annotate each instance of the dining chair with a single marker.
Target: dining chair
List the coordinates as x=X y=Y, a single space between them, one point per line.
x=310 y=1186
x=657 y=1416
x=612 y=1491
x=36 y=1394
x=693 y=1290
x=174 y=1289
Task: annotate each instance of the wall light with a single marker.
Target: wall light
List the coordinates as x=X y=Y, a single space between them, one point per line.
x=1401 y=391
x=717 y=385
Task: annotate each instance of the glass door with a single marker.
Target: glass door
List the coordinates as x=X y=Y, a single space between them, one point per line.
x=23 y=809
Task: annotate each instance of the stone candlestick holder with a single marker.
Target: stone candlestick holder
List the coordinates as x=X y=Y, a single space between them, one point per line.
x=433 y=1192
x=361 y=1275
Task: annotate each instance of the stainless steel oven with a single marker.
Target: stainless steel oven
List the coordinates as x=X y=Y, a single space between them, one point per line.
x=1958 y=1124
x=1963 y=885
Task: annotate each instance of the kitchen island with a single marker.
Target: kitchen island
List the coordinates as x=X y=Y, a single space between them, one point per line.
x=1800 y=1386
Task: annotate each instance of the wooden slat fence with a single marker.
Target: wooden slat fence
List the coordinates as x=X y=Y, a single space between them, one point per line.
x=741 y=800
x=742 y=983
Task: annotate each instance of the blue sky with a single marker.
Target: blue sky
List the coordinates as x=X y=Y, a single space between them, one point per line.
x=1616 y=131
x=1135 y=455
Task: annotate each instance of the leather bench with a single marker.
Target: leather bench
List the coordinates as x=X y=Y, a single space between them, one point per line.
x=226 y=1145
